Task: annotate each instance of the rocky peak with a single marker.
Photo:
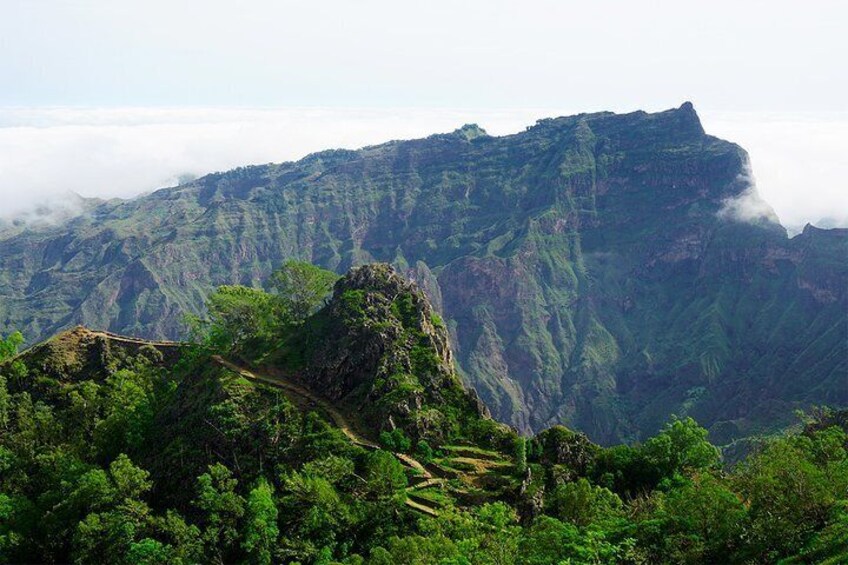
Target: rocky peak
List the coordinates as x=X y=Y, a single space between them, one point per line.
x=375 y=277
x=687 y=118
x=379 y=349
x=471 y=131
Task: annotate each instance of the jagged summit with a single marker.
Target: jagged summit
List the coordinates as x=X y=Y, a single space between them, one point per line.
x=378 y=349
x=471 y=131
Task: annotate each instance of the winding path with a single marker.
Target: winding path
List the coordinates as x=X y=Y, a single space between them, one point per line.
x=342 y=423
x=338 y=418
x=424 y=476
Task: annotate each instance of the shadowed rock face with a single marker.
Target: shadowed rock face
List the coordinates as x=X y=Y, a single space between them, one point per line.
x=587 y=268
x=379 y=349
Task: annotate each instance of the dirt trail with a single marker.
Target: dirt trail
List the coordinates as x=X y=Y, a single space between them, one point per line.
x=339 y=420
x=135 y=340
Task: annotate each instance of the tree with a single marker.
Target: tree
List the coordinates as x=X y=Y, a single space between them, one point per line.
x=148 y=552
x=240 y=319
x=312 y=508
x=9 y=345
x=502 y=534
x=384 y=474
x=395 y=440
x=222 y=510
x=301 y=288
x=707 y=517
x=789 y=494
x=260 y=531
x=111 y=534
x=550 y=541
x=128 y=413
x=681 y=446
x=520 y=449
x=584 y=504
x=423 y=451
x=8 y=349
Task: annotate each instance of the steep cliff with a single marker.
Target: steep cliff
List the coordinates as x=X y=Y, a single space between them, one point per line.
x=593 y=270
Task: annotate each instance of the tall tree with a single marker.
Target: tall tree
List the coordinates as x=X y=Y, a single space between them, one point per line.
x=301 y=288
x=260 y=528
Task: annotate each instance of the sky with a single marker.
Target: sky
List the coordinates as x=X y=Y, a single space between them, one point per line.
x=115 y=98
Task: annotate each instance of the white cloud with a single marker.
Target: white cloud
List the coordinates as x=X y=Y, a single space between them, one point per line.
x=748 y=206
x=800 y=162
x=47 y=153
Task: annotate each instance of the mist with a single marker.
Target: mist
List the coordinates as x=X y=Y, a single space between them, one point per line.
x=50 y=157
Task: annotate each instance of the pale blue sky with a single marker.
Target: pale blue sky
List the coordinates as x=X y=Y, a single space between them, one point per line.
x=726 y=55
x=114 y=97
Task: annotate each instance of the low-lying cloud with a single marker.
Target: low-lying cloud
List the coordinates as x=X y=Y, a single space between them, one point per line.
x=748 y=206
x=800 y=162
x=47 y=154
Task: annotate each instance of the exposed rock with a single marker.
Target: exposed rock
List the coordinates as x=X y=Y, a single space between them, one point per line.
x=379 y=348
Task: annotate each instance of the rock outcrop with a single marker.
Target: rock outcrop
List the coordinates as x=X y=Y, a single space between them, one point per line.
x=378 y=349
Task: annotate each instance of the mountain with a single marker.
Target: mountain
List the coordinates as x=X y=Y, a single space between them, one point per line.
x=347 y=437
x=603 y=271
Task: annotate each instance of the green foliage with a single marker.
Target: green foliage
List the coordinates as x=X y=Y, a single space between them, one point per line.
x=241 y=320
x=395 y=440
x=583 y=504
x=423 y=451
x=222 y=509
x=520 y=455
x=790 y=488
x=248 y=321
x=681 y=447
x=679 y=450
x=301 y=288
x=384 y=475
x=260 y=531
x=134 y=465
x=9 y=345
x=704 y=520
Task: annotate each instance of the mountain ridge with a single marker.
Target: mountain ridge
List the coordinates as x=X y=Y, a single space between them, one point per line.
x=548 y=252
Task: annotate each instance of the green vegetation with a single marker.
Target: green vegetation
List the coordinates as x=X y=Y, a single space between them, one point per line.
x=301 y=288
x=582 y=266
x=268 y=483
x=244 y=321
x=119 y=452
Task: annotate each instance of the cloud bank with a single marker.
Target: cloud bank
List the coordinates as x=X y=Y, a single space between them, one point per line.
x=47 y=154
x=748 y=206
x=800 y=162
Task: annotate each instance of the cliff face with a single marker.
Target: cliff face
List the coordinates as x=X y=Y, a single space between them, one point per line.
x=590 y=270
x=380 y=350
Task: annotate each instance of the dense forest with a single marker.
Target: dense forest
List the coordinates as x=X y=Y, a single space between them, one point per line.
x=321 y=420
